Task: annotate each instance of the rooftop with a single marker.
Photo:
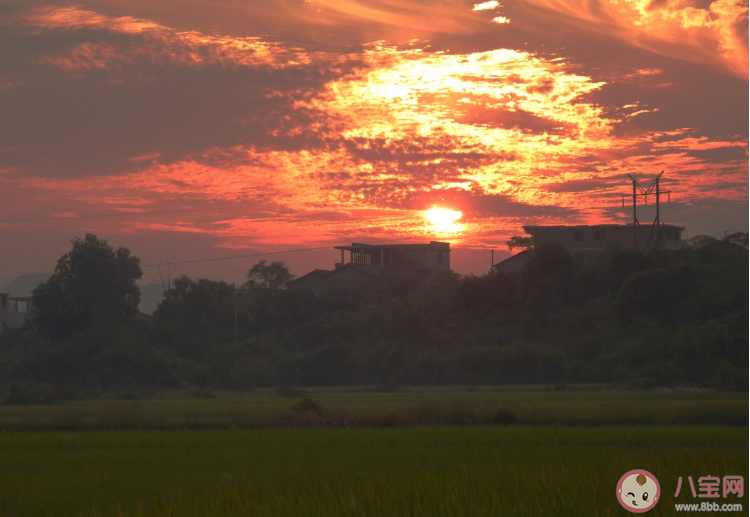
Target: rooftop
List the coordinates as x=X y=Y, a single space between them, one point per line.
x=629 y=225
x=432 y=245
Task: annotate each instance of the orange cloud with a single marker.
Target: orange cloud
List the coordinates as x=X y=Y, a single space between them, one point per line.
x=313 y=145
x=418 y=18
x=186 y=48
x=714 y=35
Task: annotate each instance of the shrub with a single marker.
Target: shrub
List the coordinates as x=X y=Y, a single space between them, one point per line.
x=306 y=405
x=503 y=416
x=30 y=393
x=291 y=392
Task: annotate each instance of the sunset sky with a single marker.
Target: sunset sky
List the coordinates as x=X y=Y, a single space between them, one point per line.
x=190 y=130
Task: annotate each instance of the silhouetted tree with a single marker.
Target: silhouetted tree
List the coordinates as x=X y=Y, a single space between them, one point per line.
x=517 y=241
x=738 y=238
x=93 y=285
x=499 y=294
x=196 y=301
x=658 y=292
x=626 y=262
x=551 y=265
x=268 y=276
x=699 y=241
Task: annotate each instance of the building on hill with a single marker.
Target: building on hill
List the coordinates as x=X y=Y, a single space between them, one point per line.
x=586 y=241
x=431 y=257
x=312 y=281
x=514 y=263
x=13 y=310
x=374 y=268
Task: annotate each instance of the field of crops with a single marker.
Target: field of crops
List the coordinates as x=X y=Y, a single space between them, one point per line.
x=349 y=407
x=268 y=455
x=421 y=471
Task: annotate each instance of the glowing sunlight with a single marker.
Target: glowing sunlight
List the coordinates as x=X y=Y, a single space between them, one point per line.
x=443 y=220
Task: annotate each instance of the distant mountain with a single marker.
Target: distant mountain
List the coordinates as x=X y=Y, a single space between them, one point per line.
x=151 y=294
x=23 y=285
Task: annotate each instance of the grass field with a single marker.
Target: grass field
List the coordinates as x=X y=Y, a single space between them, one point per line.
x=420 y=471
x=364 y=453
x=347 y=407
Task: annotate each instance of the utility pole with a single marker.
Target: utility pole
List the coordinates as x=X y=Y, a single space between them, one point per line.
x=635 y=219
x=639 y=190
x=657 y=199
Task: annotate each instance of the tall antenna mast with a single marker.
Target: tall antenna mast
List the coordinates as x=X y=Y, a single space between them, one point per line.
x=639 y=190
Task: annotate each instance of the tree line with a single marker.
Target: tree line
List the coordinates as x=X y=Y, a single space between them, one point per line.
x=632 y=318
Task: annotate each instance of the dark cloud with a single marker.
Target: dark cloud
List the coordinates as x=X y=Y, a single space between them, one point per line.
x=728 y=155
x=515 y=119
x=419 y=150
x=279 y=105
x=141 y=96
x=581 y=185
x=477 y=204
x=320 y=24
x=696 y=96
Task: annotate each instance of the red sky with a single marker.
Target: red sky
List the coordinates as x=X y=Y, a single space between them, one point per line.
x=258 y=126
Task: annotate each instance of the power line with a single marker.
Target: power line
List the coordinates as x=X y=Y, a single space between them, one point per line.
x=19 y=276
x=184 y=210
x=214 y=259
x=467 y=265
x=232 y=257
x=251 y=255
x=195 y=261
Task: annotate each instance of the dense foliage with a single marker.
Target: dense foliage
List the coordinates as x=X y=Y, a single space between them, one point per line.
x=633 y=318
x=93 y=285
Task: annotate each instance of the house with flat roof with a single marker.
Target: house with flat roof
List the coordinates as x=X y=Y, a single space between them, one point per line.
x=434 y=256
x=586 y=241
x=373 y=268
x=13 y=310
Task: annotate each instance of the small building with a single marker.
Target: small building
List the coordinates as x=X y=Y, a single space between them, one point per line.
x=432 y=257
x=373 y=268
x=13 y=310
x=312 y=281
x=514 y=263
x=586 y=241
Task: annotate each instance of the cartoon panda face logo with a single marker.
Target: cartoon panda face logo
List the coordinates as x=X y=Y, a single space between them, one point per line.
x=638 y=491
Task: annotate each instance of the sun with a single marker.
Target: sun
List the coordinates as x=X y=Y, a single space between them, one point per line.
x=443 y=219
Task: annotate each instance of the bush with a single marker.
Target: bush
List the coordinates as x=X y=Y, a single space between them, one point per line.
x=291 y=392
x=306 y=405
x=202 y=394
x=503 y=416
x=33 y=393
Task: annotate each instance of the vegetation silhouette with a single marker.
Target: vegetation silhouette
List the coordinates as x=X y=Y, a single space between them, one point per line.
x=637 y=319
x=94 y=284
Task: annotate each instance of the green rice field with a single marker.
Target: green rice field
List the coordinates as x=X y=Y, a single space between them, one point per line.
x=267 y=455
x=350 y=407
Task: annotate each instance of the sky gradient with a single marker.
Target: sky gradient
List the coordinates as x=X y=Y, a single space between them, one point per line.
x=243 y=127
